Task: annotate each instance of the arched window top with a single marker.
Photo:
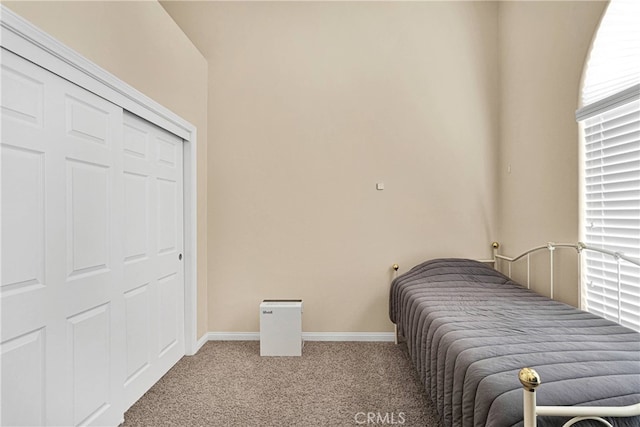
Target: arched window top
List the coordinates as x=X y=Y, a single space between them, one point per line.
x=614 y=62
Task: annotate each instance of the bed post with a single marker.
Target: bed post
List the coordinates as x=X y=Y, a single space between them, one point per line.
x=530 y=380
x=552 y=247
x=395 y=267
x=495 y=246
x=579 y=247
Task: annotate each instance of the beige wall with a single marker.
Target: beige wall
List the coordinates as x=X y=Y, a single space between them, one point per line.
x=139 y=43
x=543 y=47
x=312 y=104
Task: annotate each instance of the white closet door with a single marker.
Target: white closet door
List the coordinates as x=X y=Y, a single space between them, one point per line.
x=92 y=280
x=153 y=245
x=61 y=251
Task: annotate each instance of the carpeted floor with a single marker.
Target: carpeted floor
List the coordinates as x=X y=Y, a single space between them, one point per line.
x=332 y=384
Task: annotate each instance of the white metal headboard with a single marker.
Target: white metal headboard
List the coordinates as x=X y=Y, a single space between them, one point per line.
x=551 y=248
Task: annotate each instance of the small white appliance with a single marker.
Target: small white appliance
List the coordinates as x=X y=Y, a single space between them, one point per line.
x=281 y=328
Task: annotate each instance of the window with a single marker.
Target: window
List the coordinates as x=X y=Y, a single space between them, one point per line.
x=610 y=123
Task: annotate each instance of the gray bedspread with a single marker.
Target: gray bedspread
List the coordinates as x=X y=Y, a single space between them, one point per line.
x=469 y=330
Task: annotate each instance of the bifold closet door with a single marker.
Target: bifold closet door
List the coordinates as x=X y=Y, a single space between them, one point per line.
x=92 y=283
x=153 y=242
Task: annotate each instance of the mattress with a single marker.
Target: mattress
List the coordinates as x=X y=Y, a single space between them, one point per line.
x=469 y=330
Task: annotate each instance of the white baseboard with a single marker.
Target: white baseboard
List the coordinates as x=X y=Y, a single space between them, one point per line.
x=307 y=336
x=348 y=336
x=201 y=341
x=233 y=336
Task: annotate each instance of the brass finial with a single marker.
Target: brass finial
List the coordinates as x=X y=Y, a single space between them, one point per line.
x=529 y=378
x=495 y=245
x=395 y=267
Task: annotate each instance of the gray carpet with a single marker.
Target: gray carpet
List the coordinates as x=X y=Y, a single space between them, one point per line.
x=332 y=384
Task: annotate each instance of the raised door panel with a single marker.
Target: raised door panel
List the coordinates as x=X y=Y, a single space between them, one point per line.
x=138 y=320
x=87 y=122
x=136 y=200
x=22 y=97
x=88 y=218
x=167 y=231
x=22 y=219
x=89 y=341
x=169 y=298
x=23 y=380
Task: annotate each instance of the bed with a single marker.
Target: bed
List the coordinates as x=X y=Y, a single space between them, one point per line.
x=469 y=330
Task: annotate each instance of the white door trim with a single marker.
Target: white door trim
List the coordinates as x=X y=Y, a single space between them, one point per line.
x=24 y=39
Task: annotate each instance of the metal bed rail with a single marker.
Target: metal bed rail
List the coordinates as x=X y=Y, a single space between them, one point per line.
x=551 y=247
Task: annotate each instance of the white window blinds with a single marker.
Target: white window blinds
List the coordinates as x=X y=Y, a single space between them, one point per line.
x=610 y=120
x=612 y=212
